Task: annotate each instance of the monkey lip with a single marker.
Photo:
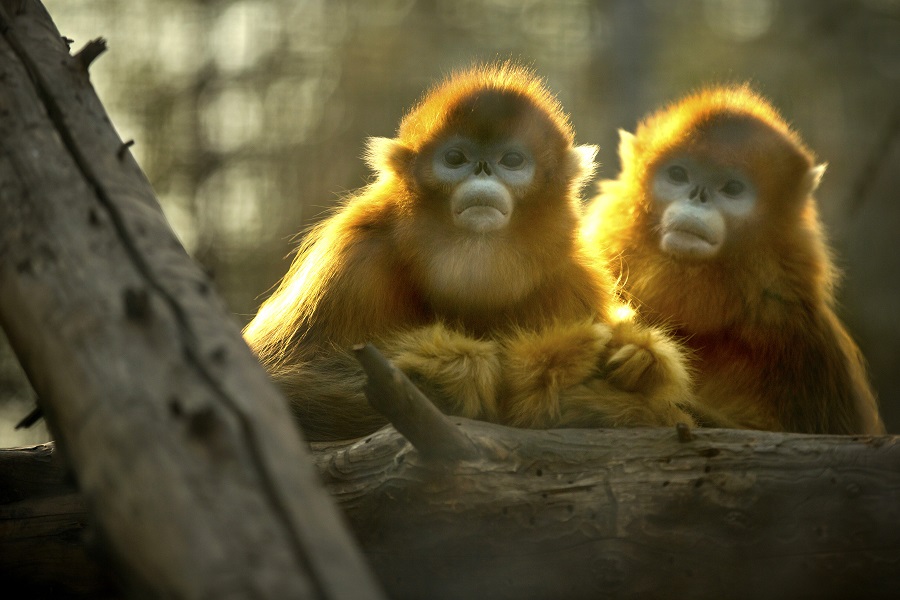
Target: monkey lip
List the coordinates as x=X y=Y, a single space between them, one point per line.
x=690 y=239
x=483 y=204
x=693 y=230
x=480 y=218
x=481 y=213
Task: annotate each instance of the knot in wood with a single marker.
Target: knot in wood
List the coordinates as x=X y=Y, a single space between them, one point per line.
x=137 y=303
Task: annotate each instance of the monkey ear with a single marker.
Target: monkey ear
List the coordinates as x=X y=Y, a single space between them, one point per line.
x=387 y=155
x=583 y=163
x=814 y=177
x=626 y=147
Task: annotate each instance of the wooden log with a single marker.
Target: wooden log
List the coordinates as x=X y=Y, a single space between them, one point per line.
x=619 y=513
x=184 y=451
x=606 y=513
x=45 y=548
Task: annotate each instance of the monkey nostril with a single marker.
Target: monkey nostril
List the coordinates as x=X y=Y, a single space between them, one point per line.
x=693 y=193
x=482 y=167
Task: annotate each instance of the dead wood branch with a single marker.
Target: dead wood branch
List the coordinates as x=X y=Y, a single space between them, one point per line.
x=391 y=392
x=611 y=513
x=192 y=472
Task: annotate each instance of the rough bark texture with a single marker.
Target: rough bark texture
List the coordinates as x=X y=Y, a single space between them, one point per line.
x=184 y=451
x=473 y=510
x=587 y=514
x=629 y=514
x=505 y=513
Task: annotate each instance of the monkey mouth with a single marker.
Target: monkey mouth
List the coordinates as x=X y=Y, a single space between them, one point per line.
x=694 y=230
x=690 y=239
x=482 y=213
x=485 y=204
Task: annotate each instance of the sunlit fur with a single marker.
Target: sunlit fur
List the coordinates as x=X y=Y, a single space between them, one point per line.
x=450 y=307
x=760 y=316
x=551 y=377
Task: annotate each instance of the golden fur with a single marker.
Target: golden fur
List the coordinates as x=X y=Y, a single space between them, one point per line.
x=760 y=317
x=504 y=327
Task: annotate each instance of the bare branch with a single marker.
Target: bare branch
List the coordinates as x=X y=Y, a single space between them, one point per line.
x=391 y=392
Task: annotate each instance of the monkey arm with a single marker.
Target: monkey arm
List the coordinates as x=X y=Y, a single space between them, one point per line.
x=590 y=374
x=457 y=372
x=539 y=365
x=369 y=294
x=819 y=382
x=326 y=397
x=846 y=360
x=583 y=374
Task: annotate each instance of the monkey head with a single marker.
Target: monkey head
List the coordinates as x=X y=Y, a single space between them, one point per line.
x=720 y=170
x=485 y=176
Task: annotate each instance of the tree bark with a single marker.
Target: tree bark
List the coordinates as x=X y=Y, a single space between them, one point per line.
x=473 y=510
x=492 y=512
x=582 y=514
x=184 y=452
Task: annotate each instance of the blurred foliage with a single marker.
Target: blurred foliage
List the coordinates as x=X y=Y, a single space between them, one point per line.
x=250 y=116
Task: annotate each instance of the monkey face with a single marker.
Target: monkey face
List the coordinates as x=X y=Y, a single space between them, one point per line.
x=700 y=203
x=486 y=180
x=484 y=175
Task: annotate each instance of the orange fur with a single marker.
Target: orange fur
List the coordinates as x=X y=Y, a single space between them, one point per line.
x=366 y=270
x=461 y=373
x=760 y=316
x=593 y=374
x=453 y=309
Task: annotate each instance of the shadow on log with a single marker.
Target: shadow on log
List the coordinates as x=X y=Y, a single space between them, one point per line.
x=511 y=513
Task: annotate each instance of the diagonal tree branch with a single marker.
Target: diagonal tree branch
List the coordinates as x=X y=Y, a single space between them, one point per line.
x=173 y=431
x=391 y=392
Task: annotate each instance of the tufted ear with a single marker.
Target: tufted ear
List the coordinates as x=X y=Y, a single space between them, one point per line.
x=583 y=163
x=387 y=155
x=814 y=177
x=626 y=147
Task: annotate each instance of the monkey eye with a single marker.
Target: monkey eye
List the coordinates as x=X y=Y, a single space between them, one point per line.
x=454 y=158
x=733 y=188
x=512 y=160
x=677 y=174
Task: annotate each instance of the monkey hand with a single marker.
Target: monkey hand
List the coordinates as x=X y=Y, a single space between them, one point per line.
x=460 y=374
x=642 y=381
x=645 y=360
x=538 y=366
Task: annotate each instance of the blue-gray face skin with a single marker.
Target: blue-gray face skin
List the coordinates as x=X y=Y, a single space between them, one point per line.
x=699 y=201
x=486 y=180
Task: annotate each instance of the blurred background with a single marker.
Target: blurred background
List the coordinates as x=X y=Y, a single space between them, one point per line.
x=250 y=116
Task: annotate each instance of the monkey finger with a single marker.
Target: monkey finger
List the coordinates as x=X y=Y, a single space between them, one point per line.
x=630 y=367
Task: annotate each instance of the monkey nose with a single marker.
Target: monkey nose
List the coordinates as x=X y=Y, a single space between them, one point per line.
x=483 y=166
x=700 y=193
